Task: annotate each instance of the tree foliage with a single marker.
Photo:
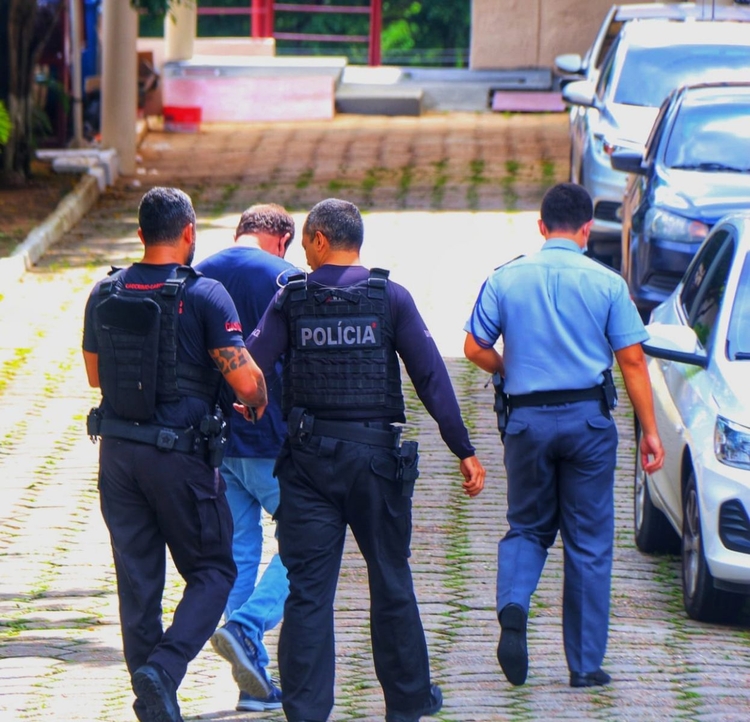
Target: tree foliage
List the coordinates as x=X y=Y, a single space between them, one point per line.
x=415 y=32
x=5 y=124
x=25 y=28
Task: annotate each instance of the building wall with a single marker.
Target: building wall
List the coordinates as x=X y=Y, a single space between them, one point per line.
x=530 y=33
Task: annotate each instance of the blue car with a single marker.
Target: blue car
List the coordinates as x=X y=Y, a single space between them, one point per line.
x=695 y=169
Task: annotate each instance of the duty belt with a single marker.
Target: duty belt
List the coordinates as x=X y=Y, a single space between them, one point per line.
x=187 y=441
x=302 y=424
x=547 y=398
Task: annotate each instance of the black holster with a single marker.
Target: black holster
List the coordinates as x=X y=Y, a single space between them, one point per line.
x=93 y=423
x=609 y=390
x=501 y=402
x=214 y=428
x=408 y=462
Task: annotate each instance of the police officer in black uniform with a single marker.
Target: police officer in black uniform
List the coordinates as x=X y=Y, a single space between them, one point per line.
x=158 y=339
x=341 y=331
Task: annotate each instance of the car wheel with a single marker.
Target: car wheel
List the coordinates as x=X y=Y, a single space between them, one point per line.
x=653 y=532
x=702 y=600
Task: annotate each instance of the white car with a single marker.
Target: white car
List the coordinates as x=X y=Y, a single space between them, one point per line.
x=699 y=502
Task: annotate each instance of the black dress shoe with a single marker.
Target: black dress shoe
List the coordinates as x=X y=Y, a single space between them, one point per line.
x=432 y=707
x=511 y=650
x=157 y=692
x=589 y=679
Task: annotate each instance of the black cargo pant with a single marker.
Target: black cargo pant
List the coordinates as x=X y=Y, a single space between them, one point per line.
x=327 y=484
x=150 y=500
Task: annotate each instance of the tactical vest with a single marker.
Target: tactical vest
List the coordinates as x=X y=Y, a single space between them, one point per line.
x=136 y=333
x=342 y=363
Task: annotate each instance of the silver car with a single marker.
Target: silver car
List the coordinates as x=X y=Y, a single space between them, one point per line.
x=571 y=66
x=647 y=60
x=699 y=502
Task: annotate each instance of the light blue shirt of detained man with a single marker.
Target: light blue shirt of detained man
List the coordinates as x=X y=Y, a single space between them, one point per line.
x=559 y=325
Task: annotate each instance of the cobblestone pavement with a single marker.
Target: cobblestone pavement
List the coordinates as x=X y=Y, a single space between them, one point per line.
x=60 y=655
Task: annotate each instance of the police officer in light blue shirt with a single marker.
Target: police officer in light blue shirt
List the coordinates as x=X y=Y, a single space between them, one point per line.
x=561 y=317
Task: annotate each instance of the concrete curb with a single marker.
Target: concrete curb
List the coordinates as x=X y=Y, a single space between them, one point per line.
x=69 y=211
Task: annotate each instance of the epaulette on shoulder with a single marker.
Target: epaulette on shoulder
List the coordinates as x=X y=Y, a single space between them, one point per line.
x=507 y=263
x=294 y=282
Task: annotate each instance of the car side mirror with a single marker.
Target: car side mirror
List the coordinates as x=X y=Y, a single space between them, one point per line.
x=628 y=161
x=673 y=342
x=569 y=64
x=580 y=92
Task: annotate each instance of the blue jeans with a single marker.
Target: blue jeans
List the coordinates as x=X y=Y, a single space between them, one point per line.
x=255 y=604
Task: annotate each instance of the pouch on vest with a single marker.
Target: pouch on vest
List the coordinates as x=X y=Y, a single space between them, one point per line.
x=128 y=339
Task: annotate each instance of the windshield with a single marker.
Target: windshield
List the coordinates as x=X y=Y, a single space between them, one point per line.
x=711 y=137
x=738 y=338
x=649 y=74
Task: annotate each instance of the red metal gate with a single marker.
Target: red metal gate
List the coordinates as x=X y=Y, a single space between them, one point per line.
x=262 y=13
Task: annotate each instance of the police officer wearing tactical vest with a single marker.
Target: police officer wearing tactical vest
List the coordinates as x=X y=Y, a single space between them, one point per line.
x=341 y=330
x=158 y=339
x=561 y=316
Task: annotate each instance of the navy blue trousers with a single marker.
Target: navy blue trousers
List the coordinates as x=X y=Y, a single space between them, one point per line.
x=152 y=500
x=560 y=463
x=326 y=485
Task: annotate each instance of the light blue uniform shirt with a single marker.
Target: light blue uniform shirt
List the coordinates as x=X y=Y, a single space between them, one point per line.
x=561 y=315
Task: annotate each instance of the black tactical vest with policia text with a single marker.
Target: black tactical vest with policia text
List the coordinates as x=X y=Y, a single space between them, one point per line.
x=342 y=363
x=136 y=334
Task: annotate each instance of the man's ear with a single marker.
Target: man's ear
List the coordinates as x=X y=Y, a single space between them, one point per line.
x=283 y=243
x=188 y=233
x=320 y=240
x=542 y=228
x=140 y=236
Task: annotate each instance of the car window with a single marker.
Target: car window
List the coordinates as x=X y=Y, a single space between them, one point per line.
x=738 y=338
x=650 y=73
x=698 y=271
x=609 y=38
x=712 y=136
x=707 y=304
x=657 y=131
x=605 y=77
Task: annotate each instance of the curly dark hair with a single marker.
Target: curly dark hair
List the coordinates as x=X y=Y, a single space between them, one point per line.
x=265 y=218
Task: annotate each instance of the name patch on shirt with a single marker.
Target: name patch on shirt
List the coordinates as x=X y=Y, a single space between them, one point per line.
x=359 y=332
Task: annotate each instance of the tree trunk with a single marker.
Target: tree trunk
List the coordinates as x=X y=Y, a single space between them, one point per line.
x=25 y=42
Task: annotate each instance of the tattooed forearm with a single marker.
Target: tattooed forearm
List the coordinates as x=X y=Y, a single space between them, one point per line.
x=242 y=374
x=229 y=359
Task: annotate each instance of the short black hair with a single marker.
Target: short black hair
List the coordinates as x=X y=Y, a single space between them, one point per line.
x=566 y=207
x=268 y=218
x=163 y=214
x=339 y=221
